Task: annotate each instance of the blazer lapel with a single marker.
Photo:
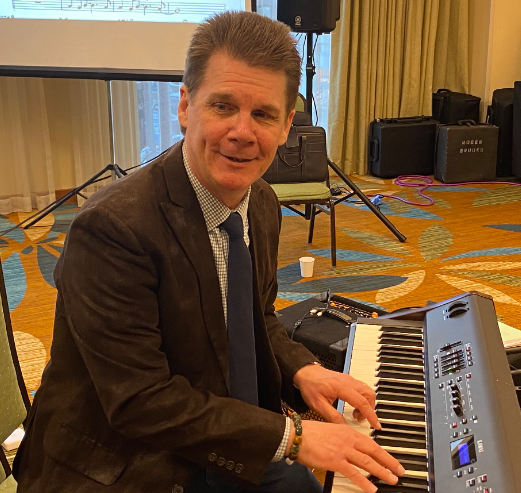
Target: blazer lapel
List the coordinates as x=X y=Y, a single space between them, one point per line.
x=185 y=217
x=268 y=374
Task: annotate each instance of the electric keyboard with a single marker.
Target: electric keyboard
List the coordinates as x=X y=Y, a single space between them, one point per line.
x=445 y=398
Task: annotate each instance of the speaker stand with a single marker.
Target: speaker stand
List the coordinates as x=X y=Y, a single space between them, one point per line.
x=310 y=73
x=115 y=170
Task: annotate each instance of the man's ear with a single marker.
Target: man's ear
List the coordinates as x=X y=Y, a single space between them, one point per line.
x=287 y=126
x=182 y=108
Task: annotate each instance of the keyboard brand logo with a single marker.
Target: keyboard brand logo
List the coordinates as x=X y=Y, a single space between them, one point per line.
x=298 y=20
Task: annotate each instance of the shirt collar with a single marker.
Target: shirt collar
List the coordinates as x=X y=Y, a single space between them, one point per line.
x=214 y=211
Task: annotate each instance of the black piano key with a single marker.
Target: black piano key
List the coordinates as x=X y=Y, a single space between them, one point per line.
x=397 y=347
x=414 y=388
x=403 y=429
x=386 y=488
x=404 y=484
x=399 y=360
x=399 y=341
x=399 y=351
x=403 y=330
x=389 y=366
x=410 y=465
x=399 y=374
x=401 y=457
x=404 y=335
x=401 y=415
x=387 y=430
x=400 y=397
x=393 y=441
x=411 y=385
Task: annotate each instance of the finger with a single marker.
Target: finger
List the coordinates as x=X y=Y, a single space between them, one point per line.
x=368 y=447
x=352 y=473
x=361 y=404
x=329 y=413
x=367 y=463
x=368 y=393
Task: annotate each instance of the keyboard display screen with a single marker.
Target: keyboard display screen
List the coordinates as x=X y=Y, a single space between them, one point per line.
x=463 y=452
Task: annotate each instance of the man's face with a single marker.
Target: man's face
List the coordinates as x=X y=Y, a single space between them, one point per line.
x=234 y=124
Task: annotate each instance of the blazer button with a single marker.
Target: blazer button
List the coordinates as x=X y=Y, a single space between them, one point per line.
x=230 y=465
x=239 y=468
x=212 y=457
x=178 y=489
x=221 y=461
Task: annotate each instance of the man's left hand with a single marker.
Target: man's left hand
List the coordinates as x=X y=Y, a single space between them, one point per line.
x=320 y=387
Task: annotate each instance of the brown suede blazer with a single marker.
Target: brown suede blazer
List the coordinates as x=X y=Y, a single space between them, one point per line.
x=135 y=396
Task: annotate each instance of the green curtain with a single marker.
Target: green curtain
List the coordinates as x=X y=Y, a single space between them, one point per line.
x=387 y=57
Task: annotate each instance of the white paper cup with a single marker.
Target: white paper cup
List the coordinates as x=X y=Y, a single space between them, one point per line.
x=306 y=266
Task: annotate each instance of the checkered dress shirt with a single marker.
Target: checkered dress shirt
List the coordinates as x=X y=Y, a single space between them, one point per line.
x=215 y=213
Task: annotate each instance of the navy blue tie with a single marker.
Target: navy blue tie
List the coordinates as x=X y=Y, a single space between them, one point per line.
x=239 y=301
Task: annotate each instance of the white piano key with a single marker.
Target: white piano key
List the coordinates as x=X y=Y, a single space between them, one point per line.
x=362 y=367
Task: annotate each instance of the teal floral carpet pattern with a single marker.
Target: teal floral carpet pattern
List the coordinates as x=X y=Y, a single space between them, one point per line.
x=469 y=239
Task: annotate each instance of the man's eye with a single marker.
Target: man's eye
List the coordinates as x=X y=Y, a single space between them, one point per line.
x=221 y=106
x=263 y=115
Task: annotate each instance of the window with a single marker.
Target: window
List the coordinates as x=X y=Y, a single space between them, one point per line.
x=157 y=101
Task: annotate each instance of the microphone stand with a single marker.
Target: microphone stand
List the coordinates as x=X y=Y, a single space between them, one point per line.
x=310 y=73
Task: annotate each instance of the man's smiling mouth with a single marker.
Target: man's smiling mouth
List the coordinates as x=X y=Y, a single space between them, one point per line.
x=237 y=159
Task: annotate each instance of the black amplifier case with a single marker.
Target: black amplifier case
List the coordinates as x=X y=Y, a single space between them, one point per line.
x=516 y=151
x=466 y=152
x=402 y=146
x=501 y=113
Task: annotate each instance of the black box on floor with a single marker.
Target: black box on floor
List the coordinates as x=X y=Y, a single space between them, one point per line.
x=466 y=152
x=501 y=114
x=451 y=107
x=516 y=151
x=326 y=336
x=402 y=146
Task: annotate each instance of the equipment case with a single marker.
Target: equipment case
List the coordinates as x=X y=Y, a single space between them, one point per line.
x=466 y=152
x=516 y=150
x=402 y=146
x=501 y=113
x=450 y=107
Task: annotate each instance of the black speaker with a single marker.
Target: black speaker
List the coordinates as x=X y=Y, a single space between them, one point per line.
x=516 y=150
x=309 y=16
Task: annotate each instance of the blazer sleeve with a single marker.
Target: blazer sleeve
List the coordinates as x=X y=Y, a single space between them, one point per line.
x=291 y=356
x=108 y=284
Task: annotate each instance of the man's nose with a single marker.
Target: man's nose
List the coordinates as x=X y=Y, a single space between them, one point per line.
x=242 y=129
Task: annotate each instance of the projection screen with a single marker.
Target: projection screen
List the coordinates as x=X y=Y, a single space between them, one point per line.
x=105 y=39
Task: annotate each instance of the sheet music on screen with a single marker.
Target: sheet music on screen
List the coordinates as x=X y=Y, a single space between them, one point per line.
x=117 y=10
x=102 y=38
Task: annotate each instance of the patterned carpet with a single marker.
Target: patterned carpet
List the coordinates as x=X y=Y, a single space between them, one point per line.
x=469 y=239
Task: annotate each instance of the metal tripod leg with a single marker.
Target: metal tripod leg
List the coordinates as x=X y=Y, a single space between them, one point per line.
x=365 y=200
x=51 y=207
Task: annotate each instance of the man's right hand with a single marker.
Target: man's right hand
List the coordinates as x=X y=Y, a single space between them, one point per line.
x=338 y=447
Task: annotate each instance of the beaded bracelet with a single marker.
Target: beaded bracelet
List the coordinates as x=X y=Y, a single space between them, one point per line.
x=297 y=439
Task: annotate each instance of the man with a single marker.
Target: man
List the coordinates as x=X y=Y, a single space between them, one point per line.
x=144 y=392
